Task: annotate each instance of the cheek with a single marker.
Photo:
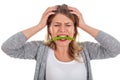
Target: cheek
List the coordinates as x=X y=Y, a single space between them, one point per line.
x=72 y=31
x=52 y=31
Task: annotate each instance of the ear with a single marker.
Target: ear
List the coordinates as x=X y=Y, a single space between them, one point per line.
x=74 y=31
x=49 y=30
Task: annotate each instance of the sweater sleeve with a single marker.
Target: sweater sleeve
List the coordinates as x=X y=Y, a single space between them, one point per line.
x=17 y=47
x=107 y=47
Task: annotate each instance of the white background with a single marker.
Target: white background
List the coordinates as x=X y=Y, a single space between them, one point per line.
x=17 y=15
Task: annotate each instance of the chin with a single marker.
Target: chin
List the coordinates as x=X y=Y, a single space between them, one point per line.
x=63 y=43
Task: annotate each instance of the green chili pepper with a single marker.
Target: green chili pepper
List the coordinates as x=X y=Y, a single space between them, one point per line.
x=61 y=37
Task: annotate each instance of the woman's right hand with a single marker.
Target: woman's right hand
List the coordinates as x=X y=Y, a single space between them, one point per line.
x=33 y=30
x=49 y=11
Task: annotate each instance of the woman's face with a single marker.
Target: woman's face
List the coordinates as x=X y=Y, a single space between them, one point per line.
x=62 y=26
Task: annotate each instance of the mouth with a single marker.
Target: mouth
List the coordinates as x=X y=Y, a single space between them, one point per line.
x=62 y=38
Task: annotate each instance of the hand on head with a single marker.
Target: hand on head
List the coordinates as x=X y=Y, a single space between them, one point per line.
x=49 y=11
x=78 y=14
x=52 y=10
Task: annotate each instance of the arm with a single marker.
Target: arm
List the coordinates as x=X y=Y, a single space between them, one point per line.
x=31 y=31
x=82 y=25
x=16 y=46
x=107 y=45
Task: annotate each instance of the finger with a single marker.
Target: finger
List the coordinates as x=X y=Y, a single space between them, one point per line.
x=50 y=13
x=75 y=13
x=45 y=18
x=72 y=9
x=49 y=9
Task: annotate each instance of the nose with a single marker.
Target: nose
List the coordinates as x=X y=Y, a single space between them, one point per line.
x=62 y=29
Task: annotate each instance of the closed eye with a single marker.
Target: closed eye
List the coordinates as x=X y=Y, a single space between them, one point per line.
x=68 y=25
x=56 y=25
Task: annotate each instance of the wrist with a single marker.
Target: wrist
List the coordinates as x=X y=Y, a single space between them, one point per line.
x=40 y=26
x=83 y=26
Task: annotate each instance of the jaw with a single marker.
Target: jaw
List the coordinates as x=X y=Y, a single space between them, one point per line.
x=62 y=43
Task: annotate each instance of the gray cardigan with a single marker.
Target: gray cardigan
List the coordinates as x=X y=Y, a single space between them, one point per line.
x=16 y=46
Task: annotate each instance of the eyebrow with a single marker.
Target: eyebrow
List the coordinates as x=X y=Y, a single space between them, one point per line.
x=58 y=22
x=65 y=23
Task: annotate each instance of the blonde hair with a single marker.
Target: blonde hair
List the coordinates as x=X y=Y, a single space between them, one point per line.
x=74 y=48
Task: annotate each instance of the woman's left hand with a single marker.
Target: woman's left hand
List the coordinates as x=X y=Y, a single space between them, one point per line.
x=92 y=31
x=79 y=15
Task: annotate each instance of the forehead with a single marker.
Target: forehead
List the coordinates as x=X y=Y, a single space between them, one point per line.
x=61 y=18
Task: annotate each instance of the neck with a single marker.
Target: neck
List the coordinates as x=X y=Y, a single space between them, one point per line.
x=62 y=54
x=62 y=50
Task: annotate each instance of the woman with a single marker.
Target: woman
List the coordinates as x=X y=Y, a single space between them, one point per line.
x=61 y=57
